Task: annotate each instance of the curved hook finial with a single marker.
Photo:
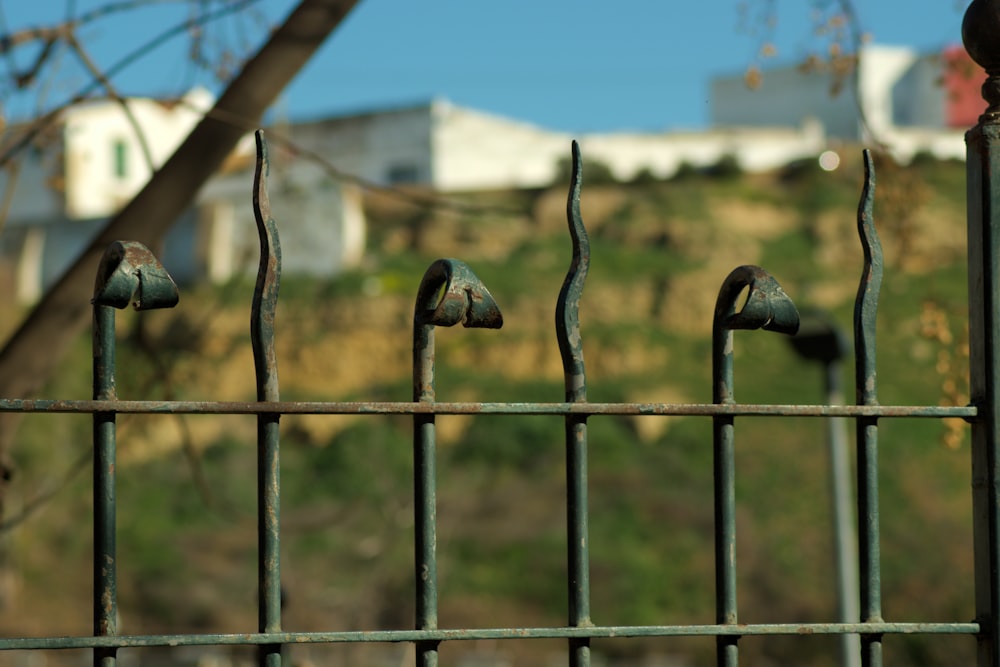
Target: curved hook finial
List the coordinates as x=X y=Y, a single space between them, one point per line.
x=568 y=305
x=450 y=293
x=265 y=296
x=130 y=273
x=766 y=307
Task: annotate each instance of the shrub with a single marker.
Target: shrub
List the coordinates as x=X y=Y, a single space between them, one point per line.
x=728 y=166
x=595 y=172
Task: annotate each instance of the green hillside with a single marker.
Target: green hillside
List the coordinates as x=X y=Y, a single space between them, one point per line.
x=659 y=253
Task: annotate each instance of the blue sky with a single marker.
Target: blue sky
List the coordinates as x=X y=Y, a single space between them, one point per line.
x=573 y=65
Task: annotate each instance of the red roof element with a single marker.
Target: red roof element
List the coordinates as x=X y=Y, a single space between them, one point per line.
x=962 y=80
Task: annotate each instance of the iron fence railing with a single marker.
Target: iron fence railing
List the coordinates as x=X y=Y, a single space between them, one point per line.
x=449 y=294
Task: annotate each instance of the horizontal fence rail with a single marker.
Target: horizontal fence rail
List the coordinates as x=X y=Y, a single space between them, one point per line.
x=500 y=408
x=449 y=294
x=472 y=634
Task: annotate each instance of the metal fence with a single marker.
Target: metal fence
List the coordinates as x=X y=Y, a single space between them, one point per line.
x=450 y=294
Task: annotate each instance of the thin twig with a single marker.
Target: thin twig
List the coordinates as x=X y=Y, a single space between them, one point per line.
x=99 y=76
x=37 y=503
x=84 y=93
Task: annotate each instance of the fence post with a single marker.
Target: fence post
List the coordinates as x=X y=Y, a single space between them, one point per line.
x=979 y=31
x=448 y=294
x=574 y=372
x=128 y=271
x=766 y=307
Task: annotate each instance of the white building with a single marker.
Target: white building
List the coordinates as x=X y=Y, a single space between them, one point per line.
x=95 y=157
x=108 y=155
x=904 y=100
x=451 y=148
x=104 y=156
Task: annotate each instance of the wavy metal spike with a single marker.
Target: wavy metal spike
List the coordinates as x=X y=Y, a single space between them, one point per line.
x=265 y=297
x=130 y=273
x=568 y=305
x=866 y=304
x=265 y=302
x=865 y=311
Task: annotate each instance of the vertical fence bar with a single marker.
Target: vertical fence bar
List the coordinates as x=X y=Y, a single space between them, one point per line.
x=844 y=535
x=724 y=481
x=449 y=293
x=265 y=301
x=424 y=488
x=766 y=307
x=128 y=270
x=979 y=31
x=105 y=565
x=571 y=351
x=865 y=311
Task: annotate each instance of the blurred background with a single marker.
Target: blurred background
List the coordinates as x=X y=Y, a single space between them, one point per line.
x=713 y=135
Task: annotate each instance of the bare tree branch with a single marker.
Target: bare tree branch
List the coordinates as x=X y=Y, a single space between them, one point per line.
x=37 y=126
x=54 y=33
x=100 y=77
x=34 y=351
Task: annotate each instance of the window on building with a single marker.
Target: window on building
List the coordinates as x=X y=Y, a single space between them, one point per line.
x=402 y=173
x=120 y=158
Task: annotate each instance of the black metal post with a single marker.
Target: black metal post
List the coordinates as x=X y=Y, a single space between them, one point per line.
x=979 y=32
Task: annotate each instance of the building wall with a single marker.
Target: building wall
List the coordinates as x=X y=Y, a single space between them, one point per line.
x=37 y=182
x=788 y=95
x=917 y=99
x=785 y=98
x=321 y=224
x=910 y=103
x=383 y=148
x=475 y=150
x=662 y=154
x=963 y=82
x=105 y=164
x=944 y=144
x=879 y=70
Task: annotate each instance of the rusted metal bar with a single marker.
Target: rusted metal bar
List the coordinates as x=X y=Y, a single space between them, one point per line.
x=473 y=634
x=766 y=307
x=128 y=273
x=979 y=33
x=968 y=412
x=265 y=302
x=571 y=351
x=865 y=311
x=449 y=293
